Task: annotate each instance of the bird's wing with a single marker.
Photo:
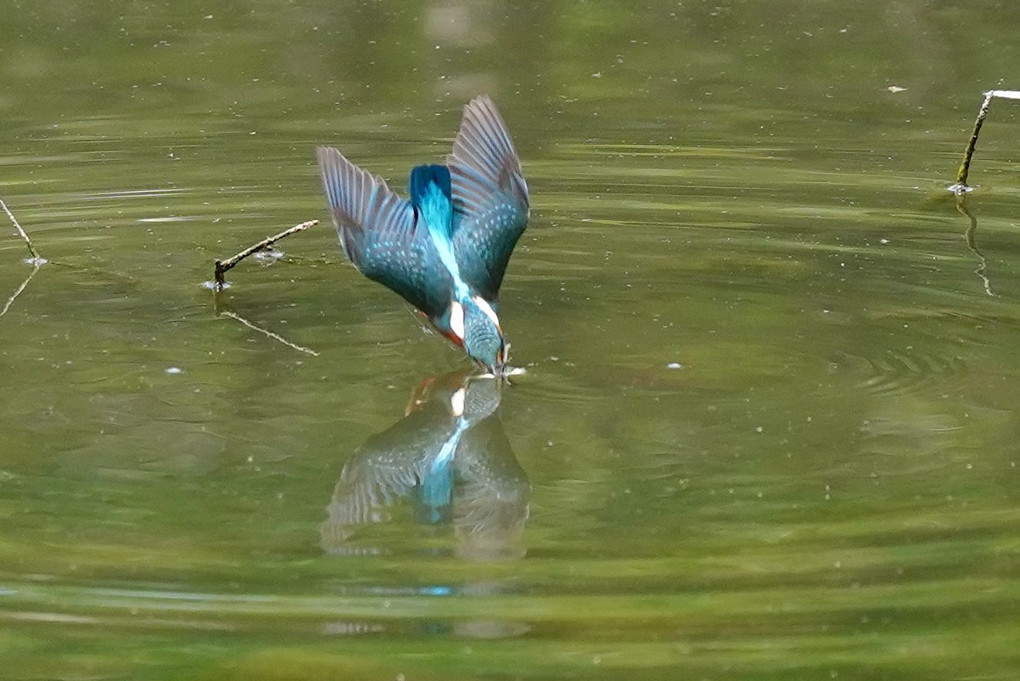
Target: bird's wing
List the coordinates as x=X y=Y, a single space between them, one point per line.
x=490 y=197
x=379 y=233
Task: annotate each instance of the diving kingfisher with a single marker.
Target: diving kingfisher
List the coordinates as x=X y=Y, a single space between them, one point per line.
x=445 y=250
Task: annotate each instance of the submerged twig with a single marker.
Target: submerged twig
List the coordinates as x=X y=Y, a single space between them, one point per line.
x=274 y=336
x=224 y=266
x=961 y=173
x=38 y=262
x=36 y=258
x=970 y=237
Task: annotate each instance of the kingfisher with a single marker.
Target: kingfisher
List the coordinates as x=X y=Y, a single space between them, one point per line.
x=446 y=248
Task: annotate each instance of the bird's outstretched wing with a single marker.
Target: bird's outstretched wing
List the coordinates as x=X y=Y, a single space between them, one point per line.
x=379 y=233
x=490 y=197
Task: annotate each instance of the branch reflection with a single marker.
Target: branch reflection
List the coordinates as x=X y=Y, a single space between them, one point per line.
x=447 y=462
x=970 y=236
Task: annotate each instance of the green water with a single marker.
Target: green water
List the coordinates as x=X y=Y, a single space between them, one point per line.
x=769 y=425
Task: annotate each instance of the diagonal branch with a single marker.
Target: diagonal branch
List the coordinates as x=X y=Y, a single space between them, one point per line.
x=224 y=266
x=961 y=185
x=36 y=258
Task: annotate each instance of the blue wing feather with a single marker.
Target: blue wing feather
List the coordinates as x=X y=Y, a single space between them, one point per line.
x=490 y=197
x=386 y=238
x=379 y=232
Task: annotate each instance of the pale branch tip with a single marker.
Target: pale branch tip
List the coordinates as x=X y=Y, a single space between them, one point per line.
x=1004 y=94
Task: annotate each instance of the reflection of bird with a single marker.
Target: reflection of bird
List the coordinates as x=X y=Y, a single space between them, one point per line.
x=451 y=460
x=445 y=250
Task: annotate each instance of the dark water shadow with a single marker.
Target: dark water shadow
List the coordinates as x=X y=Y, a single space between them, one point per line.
x=446 y=464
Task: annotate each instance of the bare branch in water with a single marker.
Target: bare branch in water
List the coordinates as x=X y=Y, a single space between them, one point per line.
x=36 y=258
x=274 y=336
x=961 y=186
x=224 y=266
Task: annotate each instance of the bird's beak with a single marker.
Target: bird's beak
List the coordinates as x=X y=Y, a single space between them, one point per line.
x=501 y=359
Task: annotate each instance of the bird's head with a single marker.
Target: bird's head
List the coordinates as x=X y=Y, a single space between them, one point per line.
x=483 y=339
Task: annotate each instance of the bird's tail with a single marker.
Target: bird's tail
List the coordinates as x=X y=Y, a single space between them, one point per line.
x=436 y=490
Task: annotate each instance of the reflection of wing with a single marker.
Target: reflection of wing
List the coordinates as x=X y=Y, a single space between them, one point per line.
x=449 y=467
x=388 y=467
x=490 y=197
x=491 y=504
x=378 y=232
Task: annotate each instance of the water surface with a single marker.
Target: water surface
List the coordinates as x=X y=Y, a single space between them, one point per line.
x=768 y=427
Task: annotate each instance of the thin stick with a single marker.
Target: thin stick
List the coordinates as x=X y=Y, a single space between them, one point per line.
x=964 y=169
x=224 y=266
x=274 y=336
x=961 y=174
x=36 y=258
